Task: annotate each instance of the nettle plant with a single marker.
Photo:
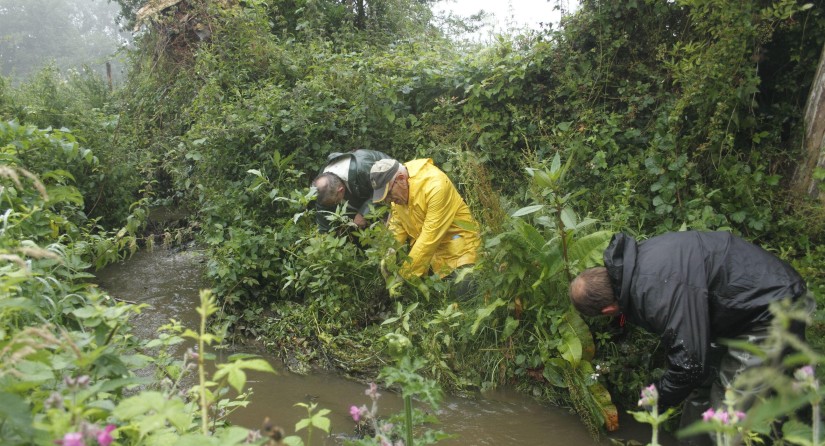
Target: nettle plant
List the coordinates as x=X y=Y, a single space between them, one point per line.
x=781 y=399
x=400 y=428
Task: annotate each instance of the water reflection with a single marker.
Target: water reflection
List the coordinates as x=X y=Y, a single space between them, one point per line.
x=169 y=282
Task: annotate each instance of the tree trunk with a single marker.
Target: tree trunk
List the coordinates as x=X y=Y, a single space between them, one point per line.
x=814 y=138
x=360 y=15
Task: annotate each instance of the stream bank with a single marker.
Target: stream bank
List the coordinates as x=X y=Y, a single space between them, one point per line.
x=169 y=280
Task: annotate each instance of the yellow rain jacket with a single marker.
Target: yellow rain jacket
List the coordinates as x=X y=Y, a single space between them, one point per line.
x=428 y=222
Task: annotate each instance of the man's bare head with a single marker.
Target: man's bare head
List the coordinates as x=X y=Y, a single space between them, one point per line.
x=592 y=293
x=330 y=189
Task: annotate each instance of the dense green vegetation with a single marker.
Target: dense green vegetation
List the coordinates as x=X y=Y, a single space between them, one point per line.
x=639 y=116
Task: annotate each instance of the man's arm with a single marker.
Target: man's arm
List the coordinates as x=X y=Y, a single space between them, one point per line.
x=362 y=212
x=686 y=334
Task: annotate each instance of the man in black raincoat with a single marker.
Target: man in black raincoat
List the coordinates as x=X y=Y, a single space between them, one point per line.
x=692 y=288
x=345 y=177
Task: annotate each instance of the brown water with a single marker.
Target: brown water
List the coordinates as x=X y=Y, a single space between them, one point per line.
x=169 y=281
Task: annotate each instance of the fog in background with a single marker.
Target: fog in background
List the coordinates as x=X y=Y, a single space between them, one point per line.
x=69 y=34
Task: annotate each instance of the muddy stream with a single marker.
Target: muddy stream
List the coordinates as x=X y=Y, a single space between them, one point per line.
x=169 y=282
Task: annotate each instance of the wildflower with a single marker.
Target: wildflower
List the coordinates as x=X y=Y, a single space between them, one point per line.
x=650 y=397
x=253 y=436
x=805 y=379
x=708 y=415
x=804 y=373
x=72 y=439
x=104 y=436
x=355 y=413
x=594 y=376
x=722 y=417
x=55 y=401
x=372 y=392
x=83 y=381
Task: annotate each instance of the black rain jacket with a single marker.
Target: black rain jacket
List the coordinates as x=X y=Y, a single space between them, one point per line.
x=358 y=192
x=692 y=288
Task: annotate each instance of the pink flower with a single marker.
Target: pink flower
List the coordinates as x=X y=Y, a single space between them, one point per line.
x=708 y=415
x=722 y=416
x=72 y=439
x=104 y=437
x=355 y=412
x=372 y=392
x=650 y=396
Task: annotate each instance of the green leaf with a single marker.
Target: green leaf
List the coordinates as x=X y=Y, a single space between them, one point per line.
x=588 y=251
x=564 y=125
x=577 y=342
x=35 y=371
x=555 y=166
x=320 y=421
x=554 y=371
x=237 y=379
x=795 y=432
x=194 y=440
x=18 y=303
x=233 y=435
x=568 y=217
x=293 y=440
x=15 y=414
x=484 y=313
x=571 y=347
x=510 y=326
x=527 y=210
x=466 y=225
x=260 y=365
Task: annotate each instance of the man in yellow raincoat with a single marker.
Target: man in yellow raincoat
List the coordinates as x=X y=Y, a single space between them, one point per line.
x=427 y=212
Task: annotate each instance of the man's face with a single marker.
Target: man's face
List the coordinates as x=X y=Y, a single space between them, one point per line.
x=399 y=190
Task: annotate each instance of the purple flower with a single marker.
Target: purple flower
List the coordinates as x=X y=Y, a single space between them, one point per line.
x=355 y=412
x=55 y=401
x=72 y=439
x=83 y=381
x=708 y=415
x=372 y=392
x=804 y=373
x=104 y=437
x=722 y=417
x=739 y=416
x=650 y=396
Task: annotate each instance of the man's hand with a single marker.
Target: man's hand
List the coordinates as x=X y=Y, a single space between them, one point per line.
x=394 y=285
x=360 y=221
x=389 y=256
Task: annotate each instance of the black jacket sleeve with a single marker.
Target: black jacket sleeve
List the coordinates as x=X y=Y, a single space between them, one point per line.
x=684 y=324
